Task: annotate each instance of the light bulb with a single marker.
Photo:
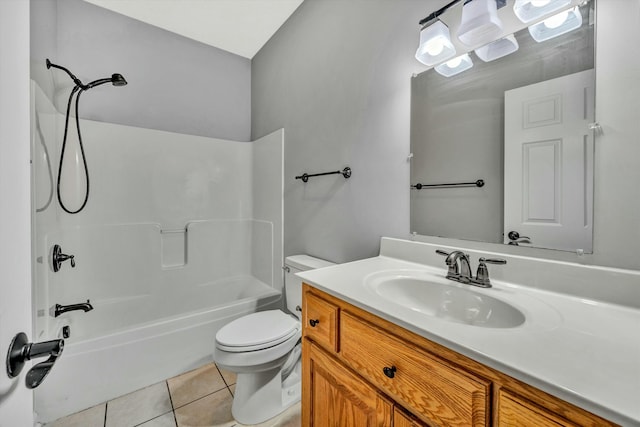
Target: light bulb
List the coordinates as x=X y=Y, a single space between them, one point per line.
x=435 y=47
x=556 y=20
x=435 y=44
x=540 y=3
x=454 y=62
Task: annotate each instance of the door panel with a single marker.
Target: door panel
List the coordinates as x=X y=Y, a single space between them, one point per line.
x=548 y=159
x=16 y=401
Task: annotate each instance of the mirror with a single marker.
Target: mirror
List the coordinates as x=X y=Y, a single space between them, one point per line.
x=534 y=156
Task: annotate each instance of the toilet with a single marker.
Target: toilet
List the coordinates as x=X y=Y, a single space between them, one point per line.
x=264 y=349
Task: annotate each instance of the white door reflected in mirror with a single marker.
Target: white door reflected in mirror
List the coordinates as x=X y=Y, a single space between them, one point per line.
x=548 y=163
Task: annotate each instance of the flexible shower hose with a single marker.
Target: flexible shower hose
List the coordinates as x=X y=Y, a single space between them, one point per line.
x=79 y=90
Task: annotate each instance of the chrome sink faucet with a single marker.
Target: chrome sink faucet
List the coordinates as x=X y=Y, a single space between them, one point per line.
x=460 y=268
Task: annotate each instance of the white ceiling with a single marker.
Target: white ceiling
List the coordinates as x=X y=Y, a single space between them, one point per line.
x=237 y=26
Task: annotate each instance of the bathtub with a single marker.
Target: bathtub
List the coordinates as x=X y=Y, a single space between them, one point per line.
x=174 y=244
x=104 y=358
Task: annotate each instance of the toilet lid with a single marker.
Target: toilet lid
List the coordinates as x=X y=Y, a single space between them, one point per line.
x=258 y=330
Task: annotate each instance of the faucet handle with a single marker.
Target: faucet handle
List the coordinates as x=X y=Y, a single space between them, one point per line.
x=482 y=275
x=57 y=258
x=493 y=260
x=441 y=252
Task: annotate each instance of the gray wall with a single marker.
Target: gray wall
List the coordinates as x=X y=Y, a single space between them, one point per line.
x=175 y=84
x=336 y=76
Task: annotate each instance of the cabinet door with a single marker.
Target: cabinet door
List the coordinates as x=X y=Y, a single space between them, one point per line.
x=320 y=321
x=333 y=396
x=514 y=411
x=402 y=419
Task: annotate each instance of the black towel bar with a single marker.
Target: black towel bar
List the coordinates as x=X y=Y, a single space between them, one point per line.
x=346 y=172
x=478 y=183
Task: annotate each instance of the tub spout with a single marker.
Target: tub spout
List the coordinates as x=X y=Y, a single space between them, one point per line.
x=84 y=306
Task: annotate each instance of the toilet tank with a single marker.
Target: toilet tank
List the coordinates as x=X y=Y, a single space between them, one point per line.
x=293 y=284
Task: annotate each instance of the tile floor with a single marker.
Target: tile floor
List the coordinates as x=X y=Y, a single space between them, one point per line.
x=199 y=398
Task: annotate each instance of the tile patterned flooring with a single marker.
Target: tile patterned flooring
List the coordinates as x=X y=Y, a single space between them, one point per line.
x=199 y=398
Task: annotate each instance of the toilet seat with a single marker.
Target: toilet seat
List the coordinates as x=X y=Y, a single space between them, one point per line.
x=257 y=331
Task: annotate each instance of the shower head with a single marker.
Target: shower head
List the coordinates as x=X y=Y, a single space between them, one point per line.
x=118 y=80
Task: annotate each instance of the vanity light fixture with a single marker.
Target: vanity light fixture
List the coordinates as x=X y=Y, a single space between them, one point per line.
x=480 y=22
x=498 y=49
x=556 y=25
x=455 y=66
x=435 y=44
x=530 y=10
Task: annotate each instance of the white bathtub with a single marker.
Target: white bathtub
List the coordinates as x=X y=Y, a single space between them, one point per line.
x=120 y=359
x=173 y=244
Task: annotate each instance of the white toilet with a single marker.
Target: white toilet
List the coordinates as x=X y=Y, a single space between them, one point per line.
x=264 y=348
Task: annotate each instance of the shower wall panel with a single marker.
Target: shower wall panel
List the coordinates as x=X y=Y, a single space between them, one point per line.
x=168 y=215
x=267 y=187
x=142 y=175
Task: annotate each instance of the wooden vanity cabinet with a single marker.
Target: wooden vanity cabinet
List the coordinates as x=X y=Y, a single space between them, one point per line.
x=336 y=396
x=403 y=419
x=516 y=411
x=361 y=370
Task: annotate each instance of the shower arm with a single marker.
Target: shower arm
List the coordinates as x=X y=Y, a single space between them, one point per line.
x=76 y=80
x=115 y=79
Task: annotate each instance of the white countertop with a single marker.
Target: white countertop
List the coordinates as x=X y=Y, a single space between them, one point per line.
x=583 y=351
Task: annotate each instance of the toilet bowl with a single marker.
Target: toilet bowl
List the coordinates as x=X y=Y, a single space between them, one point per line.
x=264 y=349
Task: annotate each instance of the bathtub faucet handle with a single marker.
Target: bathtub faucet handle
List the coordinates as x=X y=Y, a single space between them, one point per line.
x=57 y=258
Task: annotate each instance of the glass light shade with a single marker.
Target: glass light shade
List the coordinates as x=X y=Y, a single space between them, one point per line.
x=497 y=49
x=556 y=25
x=480 y=23
x=530 y=10
x=435 y=44
x=455 y=66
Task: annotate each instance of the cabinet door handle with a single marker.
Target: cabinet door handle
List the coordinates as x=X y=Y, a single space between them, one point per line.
x=389 y=371
x=314 y=322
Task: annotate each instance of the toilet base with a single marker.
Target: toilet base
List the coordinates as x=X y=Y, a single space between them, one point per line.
x=260 y=396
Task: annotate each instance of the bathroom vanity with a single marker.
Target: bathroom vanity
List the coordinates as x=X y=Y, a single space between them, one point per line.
x=373 y=360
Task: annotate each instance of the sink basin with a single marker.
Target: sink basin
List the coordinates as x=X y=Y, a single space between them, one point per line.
x=438 y=297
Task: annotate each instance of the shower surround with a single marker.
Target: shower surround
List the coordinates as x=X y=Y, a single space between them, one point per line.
x=180 y=235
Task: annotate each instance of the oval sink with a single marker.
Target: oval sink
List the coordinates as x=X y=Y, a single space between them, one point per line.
x=445 y=301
